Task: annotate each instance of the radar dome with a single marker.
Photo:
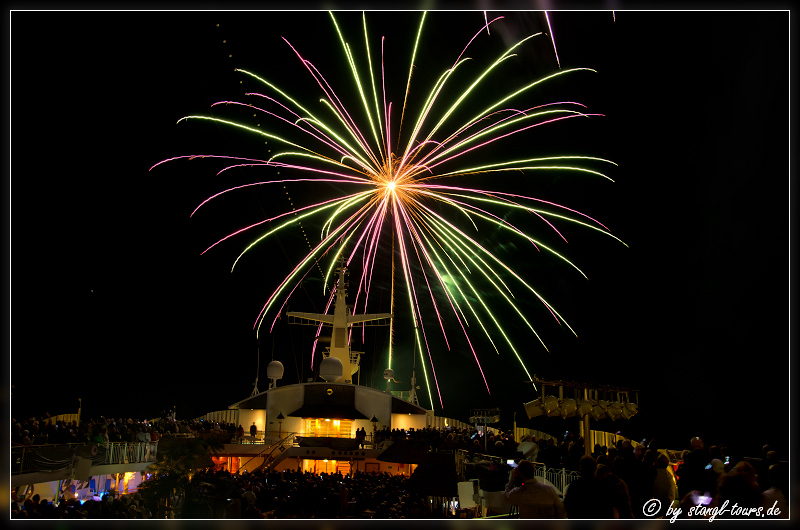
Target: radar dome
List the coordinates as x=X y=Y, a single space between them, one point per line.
x=388 y=374
x=275 y=370
x=330 y=369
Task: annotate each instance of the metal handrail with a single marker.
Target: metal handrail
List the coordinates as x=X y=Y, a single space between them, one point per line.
x=271 y=450
x=55 y=457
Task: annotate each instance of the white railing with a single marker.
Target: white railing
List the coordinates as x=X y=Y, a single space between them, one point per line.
x=130 y=453
x=559 y=478
x=62 y=456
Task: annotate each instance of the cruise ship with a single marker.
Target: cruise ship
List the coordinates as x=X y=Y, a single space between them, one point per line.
x=309 y=426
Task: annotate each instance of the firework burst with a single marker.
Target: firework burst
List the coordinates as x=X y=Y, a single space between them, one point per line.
x=413 y=200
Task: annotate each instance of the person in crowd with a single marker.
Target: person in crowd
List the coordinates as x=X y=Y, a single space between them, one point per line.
x=614 y=492
x=664 y=487
x=583 y=498
x=776 y=497
x=739 y=487
x=534 y=499
x=641 y=489
x=691 y=472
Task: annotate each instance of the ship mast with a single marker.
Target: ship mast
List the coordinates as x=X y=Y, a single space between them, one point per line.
x=341 y=320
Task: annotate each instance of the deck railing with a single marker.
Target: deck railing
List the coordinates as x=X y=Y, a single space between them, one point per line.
x=560 y=478
x=46 y=458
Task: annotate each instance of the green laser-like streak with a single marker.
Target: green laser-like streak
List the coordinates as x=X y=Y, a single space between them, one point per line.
x=463 y=295
x=489 y=313
x=431 y=263
x=418 y=246
x=409 y=286
x=475 y=244
x=453 y=237
x=424 y=368
x=517 y=231
x=499 y=279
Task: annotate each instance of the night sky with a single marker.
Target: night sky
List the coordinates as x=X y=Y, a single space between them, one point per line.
x=113 y=303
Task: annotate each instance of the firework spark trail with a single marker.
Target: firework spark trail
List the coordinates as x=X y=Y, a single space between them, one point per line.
x=342 y=147
x=313 y=207
x=338 y=108
x=488 y=312
x=464 y=237
x=327 y=242
x=346 y=200
x=552 y=38
x=539 y=213
x=485 y=112
x=461 y=292
x=415 y=306
x=452 y=244
x=466 y=93
x=398 y=192
x=408 y=83
x=351 y=61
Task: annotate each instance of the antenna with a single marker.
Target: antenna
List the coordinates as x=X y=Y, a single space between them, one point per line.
x=413 y=396
x=258 y=365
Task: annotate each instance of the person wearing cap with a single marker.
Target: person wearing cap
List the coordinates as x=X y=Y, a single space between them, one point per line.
x=535 y=499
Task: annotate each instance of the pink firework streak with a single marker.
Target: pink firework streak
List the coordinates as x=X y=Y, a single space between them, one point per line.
x=376 y=193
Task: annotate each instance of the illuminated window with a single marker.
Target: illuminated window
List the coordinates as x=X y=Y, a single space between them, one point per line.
x=326 y=427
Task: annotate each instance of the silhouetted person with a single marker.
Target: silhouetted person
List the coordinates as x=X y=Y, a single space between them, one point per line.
x=535 y=500
x=777 y=495
x=617 y=489
x=583 y=499
x=739 y=487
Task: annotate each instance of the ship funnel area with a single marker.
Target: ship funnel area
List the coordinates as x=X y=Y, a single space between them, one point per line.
x=330 y=369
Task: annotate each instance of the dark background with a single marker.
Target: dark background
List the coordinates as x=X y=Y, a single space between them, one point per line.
x=113 y=304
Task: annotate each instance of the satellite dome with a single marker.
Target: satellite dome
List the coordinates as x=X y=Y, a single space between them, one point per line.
x=275 y=370
x=330 y=369
x=388 y=374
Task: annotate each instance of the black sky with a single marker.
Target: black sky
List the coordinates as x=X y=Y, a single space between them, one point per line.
x=114 y=304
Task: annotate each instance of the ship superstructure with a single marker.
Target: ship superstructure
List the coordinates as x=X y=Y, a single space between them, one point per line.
x=341 y=322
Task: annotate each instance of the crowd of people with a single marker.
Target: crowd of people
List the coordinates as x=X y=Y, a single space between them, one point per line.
x=305 y=495
x=108 y=507
x=627 y=482
x=47 y=430
x=619 y=481
x=260 y=495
